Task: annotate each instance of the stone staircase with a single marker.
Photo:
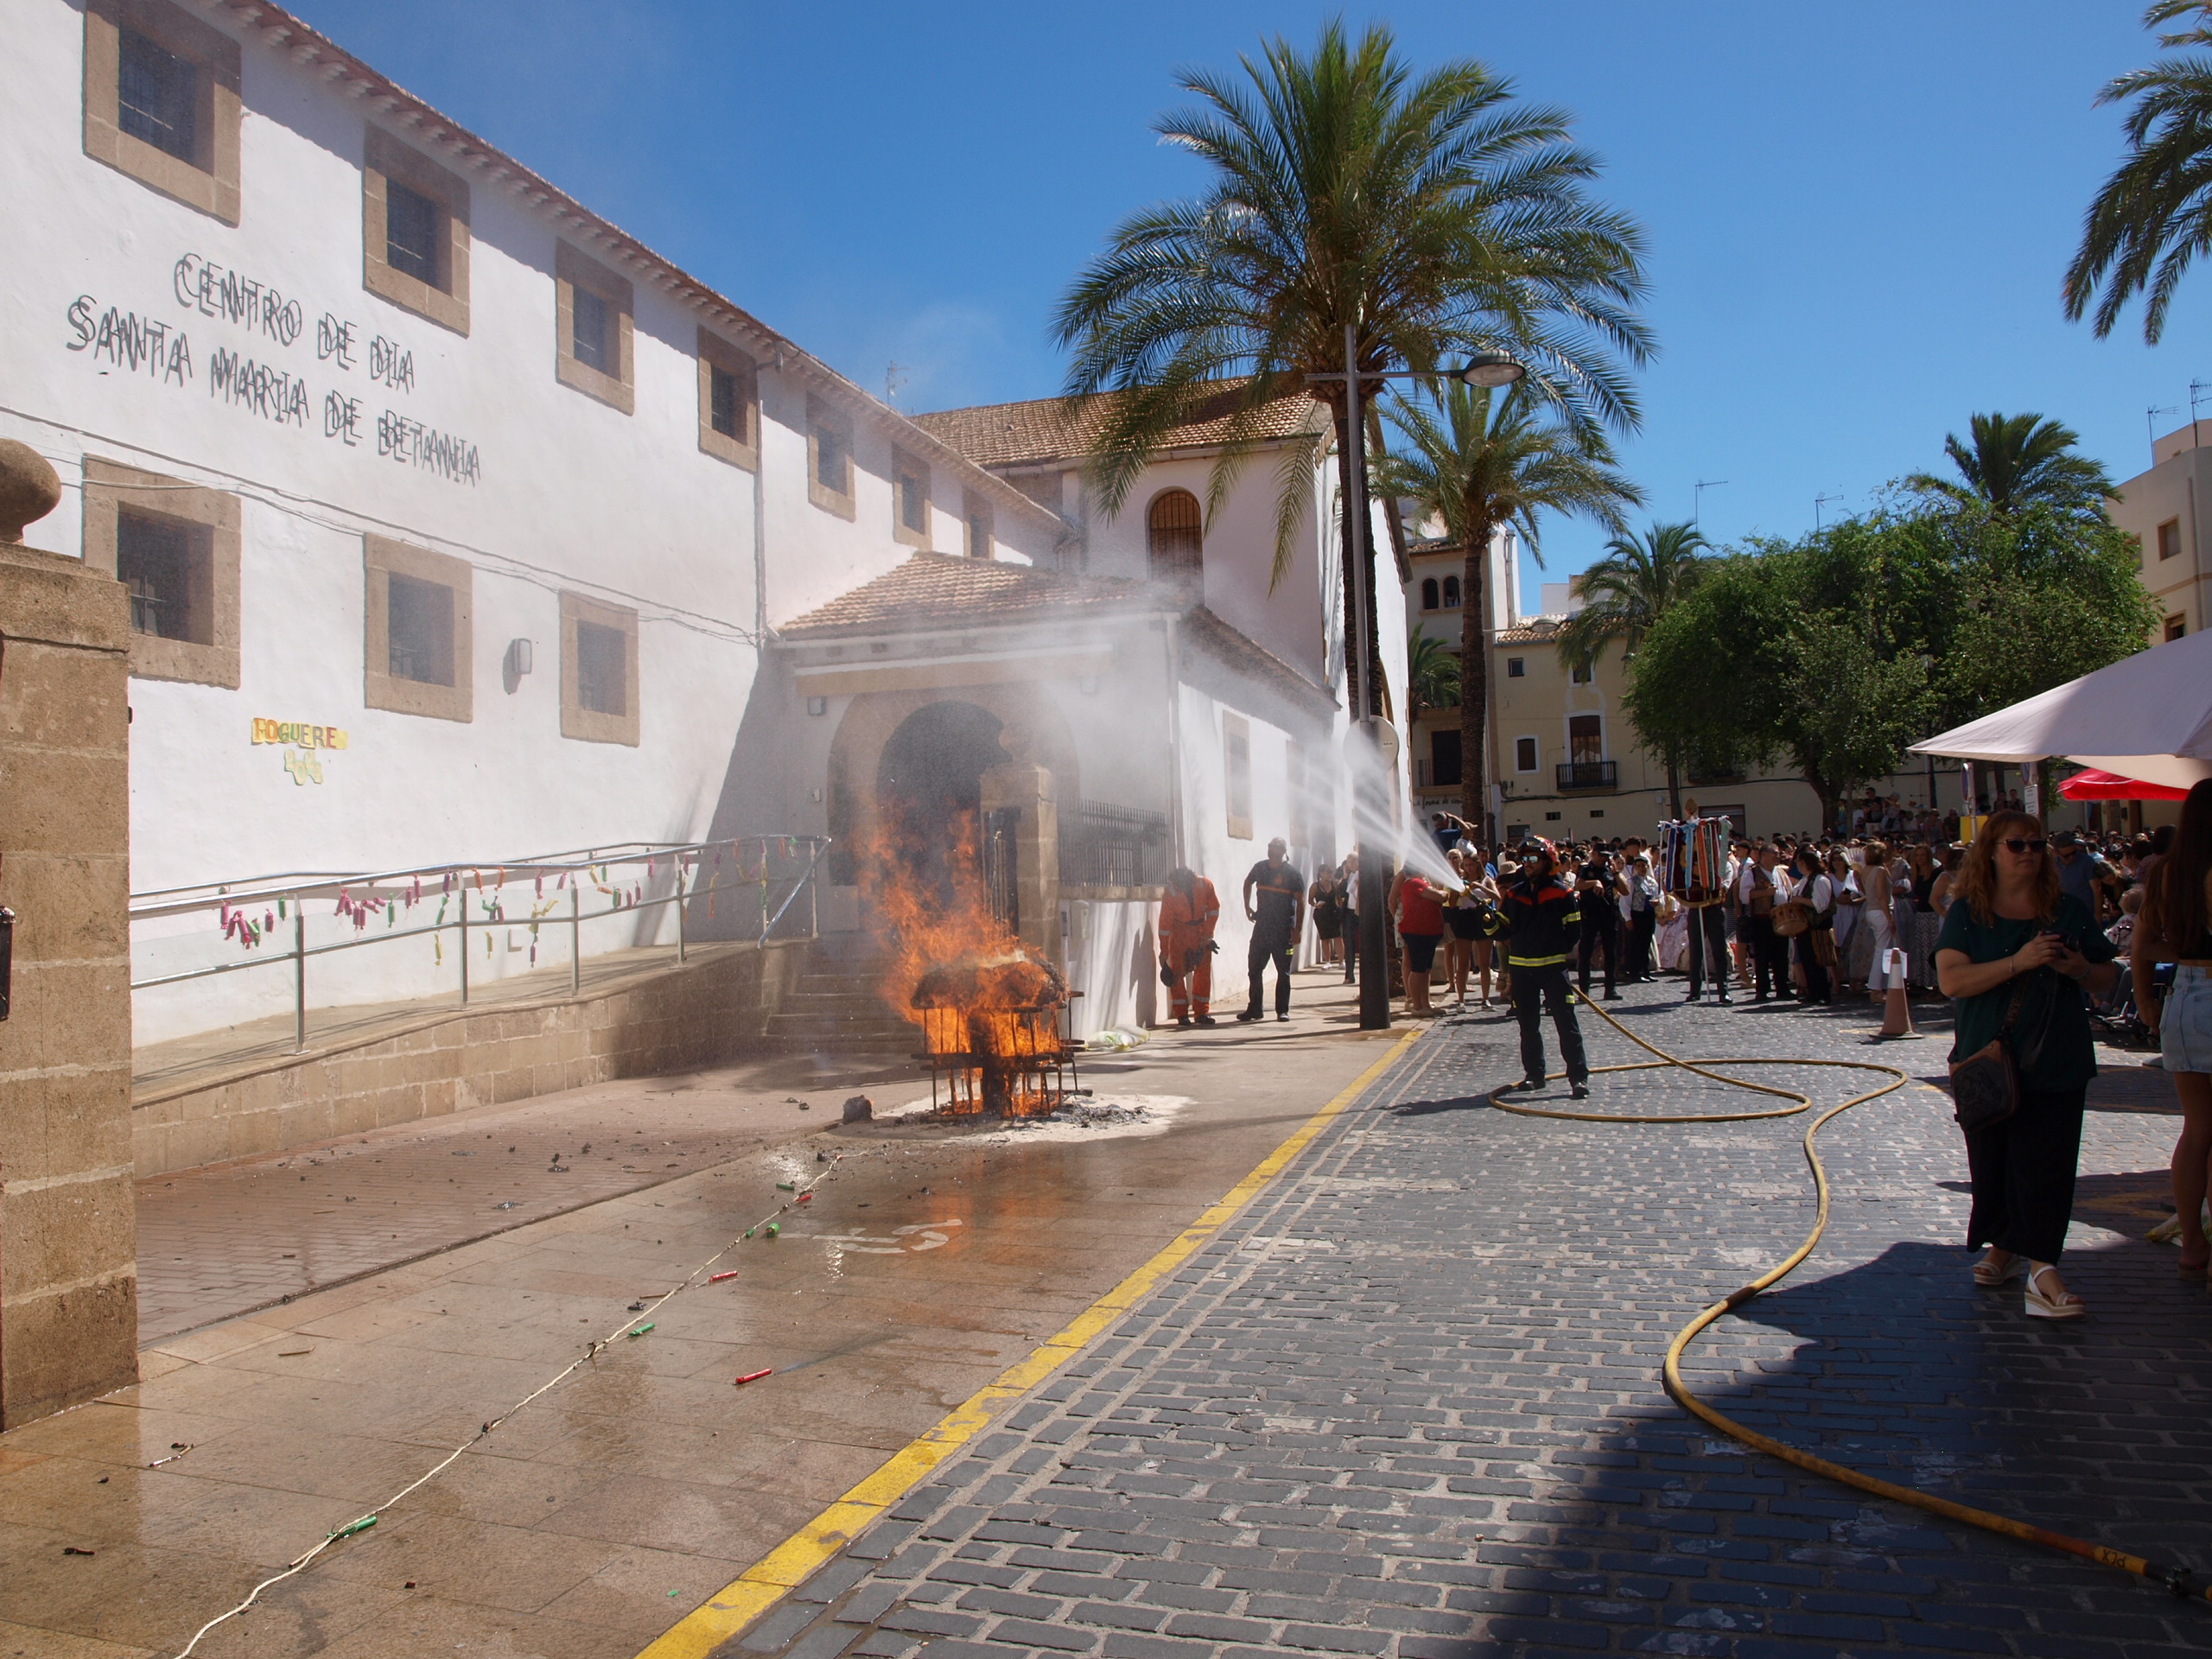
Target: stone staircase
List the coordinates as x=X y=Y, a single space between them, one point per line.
x=835 y=1010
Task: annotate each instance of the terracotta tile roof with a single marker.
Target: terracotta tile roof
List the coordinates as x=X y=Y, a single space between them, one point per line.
x=1014 y=435
x=1533 y=630
x=933 y=590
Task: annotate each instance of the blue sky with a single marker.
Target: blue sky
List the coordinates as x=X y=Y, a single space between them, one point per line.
x=1858 y=216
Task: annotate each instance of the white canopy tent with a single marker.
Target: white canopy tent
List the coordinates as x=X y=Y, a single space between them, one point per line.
x=2147 y=716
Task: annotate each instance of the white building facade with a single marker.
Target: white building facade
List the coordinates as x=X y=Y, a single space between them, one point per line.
x=455 y=519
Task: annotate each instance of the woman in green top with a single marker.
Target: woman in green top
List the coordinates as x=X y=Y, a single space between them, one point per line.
x=2013 y=940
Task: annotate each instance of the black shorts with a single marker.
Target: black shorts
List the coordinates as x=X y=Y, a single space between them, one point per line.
x=1464 y=923
x=1421 y=951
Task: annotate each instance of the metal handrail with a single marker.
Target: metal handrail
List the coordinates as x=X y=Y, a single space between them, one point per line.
x=293 y=890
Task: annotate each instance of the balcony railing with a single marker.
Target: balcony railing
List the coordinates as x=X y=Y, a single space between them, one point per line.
x=1589 y=774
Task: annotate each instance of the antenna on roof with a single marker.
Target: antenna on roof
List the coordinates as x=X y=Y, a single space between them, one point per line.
x=1697 y=498
x=2151 y=425
x=1820 y=501
x=895 y=375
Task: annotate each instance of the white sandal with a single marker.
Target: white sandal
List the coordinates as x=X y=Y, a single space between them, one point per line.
x=2065 y=1306
x=1989 y=1275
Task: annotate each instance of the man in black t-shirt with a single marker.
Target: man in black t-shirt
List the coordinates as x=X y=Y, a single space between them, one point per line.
x=1276 y=921
x=1599 y=893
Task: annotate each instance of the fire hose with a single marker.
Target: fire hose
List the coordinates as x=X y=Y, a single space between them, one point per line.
x=2180 y=1580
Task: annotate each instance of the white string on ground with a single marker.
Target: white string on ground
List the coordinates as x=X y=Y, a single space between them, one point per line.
x=629 y=1326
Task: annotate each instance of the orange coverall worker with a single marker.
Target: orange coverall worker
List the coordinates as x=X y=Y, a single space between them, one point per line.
x=1187 y=926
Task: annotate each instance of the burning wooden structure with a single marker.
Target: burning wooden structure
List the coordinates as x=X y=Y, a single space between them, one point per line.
x=994 y=1030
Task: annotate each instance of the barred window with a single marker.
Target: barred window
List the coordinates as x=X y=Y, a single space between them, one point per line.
x=414 y=227
x=162 y=563
x=603 y=669
x=156 y=96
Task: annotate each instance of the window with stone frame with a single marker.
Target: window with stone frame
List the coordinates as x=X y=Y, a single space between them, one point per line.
x=910 y=500
x=599 y=671
x=975 y=511
x=174 y=547
x=415 y=234
x=1237 y=773
x=160 y=97
x=593 y=312
x=729 y=403
x=418 y=653
x=830 y=458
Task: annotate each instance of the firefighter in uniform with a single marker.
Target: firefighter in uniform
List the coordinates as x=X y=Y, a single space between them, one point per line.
x=1542 y=922
x=1188 y=910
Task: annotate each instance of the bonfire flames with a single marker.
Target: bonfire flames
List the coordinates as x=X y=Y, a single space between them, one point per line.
x=990 y=1009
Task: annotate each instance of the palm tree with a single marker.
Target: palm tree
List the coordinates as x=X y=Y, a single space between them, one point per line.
x=1431 y=676
x=2154 y=214
x=1428 y=213
x=1478 y=460
x=2019 y=461
x=1624 y=594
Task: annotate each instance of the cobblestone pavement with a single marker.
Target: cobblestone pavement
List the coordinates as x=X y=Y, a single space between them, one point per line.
x=1408 y=1403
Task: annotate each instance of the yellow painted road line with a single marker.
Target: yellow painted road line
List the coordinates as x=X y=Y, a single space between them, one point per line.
x=738 y=1603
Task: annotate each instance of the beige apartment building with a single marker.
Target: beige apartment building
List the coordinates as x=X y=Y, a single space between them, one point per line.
x=1564 y=759
x=2164 y=509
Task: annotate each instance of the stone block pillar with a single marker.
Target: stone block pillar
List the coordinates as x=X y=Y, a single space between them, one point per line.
x=1023 y=786
x=68 y=1246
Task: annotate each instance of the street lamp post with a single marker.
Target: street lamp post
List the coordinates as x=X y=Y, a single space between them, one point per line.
x=1488 y=369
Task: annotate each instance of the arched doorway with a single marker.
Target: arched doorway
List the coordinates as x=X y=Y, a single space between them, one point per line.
x=929 y=789
x=1174 y=538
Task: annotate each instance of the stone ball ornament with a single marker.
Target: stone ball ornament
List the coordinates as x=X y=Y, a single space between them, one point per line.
x=30 y=488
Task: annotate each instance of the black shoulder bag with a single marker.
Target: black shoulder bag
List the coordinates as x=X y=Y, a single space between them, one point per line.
x=1985 y=1085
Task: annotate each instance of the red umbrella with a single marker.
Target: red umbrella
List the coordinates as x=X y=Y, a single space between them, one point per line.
x=2094 y=785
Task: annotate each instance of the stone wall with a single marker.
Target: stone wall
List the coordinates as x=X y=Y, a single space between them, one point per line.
x=68 y=1272
x=665 y=1019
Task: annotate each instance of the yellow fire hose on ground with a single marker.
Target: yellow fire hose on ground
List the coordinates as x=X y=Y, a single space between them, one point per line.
x=2178 y=1580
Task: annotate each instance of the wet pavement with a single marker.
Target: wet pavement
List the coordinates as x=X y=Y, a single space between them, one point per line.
x=926 y=1261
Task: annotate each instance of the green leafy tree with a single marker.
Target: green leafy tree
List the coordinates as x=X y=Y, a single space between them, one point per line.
x=1837 y=651
x=1429 y=214
x=1477 y=460
x=2018 y=461
x=1432 y=675
x=1624 y=594
x=2154 y=214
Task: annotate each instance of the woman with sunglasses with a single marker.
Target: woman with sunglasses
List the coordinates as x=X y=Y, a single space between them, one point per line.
x=2175 y=924
x=2014 y=955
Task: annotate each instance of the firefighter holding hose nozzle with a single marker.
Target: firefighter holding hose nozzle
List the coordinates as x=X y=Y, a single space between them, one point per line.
x=1542 y=923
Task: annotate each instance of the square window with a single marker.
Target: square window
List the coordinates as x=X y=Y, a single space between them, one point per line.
x=156 y=96
x=419 y=655
x=419 y=630
x=175 y=549
x=160 y=101
x=1581 y=674
x=603 y=669
x=1515 y=668
x=164 y=564
x=587 y=338
x=414 y=239
x=599 y=671
x=414 y=225
x=592 y=328
x=1524 y=754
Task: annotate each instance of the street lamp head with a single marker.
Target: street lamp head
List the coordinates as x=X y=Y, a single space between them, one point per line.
x=1491 y=369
